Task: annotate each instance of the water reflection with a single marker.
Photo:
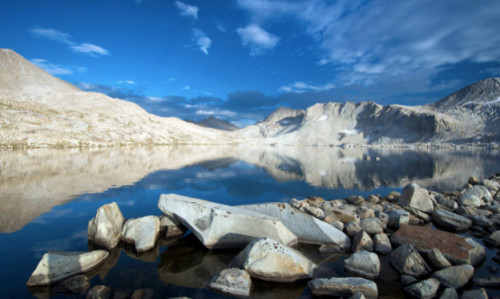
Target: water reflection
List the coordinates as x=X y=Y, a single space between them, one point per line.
x=33 y=182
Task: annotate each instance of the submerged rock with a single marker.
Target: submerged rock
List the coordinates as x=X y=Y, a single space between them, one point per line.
x=221 y=226
x=57 y=266
x=106 y=227
x=343 y=287
x=99 y=292
x=233 y=282
x=142 y=232
x=269 y=260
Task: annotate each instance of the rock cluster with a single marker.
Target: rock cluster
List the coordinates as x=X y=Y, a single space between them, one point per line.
x=430 y=262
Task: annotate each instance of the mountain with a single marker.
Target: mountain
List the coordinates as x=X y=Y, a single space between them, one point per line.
x=471 y=114
x=37 y=109
x=215 y=123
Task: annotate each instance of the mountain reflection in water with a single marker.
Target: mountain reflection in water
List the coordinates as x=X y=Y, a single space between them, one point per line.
x=32 y=182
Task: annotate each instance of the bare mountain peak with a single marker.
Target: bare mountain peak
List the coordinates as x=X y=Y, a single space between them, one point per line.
x=216 y=123
x=283 y=113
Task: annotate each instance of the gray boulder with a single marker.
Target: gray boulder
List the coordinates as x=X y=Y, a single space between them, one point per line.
x=449 y=293
x=57 y=266
x=491 y=185
x=343 y=287
x=142 y=232
x=480 y=220
x=362 y=241
x=372 y=225
x=308 y=229
x=475 y=196
x=352 y=228
x=416 y=197
x=222 y=226
x=106 y=227
x=437 y=259
x=474 y=294
x=233 y=282
x=406 y=260
x=398 y=217
x=382 y=244
x=171 y=225
x=451 y=220
x=270 y=260
x=363 y=263
x=455 y=276
x=425 y=289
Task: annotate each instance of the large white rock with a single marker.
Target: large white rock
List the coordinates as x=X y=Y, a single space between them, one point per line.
x=222 y=226
x=363 y=263
x=105 y=228
x=57 y=266
x=307 y=228
x=269 y=260
x=142 y=232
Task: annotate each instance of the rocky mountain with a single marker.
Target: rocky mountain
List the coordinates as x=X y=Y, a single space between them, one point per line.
x=471 y=114
x=37 y=109
x=216 y=123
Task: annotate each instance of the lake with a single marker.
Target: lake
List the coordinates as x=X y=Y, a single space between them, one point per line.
x=48 y=196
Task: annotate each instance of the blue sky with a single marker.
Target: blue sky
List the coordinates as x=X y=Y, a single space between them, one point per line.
x=241 y=59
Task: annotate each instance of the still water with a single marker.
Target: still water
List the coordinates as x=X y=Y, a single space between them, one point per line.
x=47 y=197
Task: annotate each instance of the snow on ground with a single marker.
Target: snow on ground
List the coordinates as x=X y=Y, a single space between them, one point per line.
x=324 y=117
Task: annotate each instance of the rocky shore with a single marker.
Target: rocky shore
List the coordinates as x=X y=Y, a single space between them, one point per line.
x=431 y=243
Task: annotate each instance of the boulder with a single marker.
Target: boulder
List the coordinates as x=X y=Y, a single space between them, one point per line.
x=352 y=228
x=344 y=213
x=363 y=263
x=99 y=292
x=425 y=289
x=106 y=227
x=406 y=260
x=57 y=266
x=449 y=293
x=398 y=217
x=362 y=241
x=491 y=185
x=382 y=244
x=475 y=196
x=451 y=220
x=474 y=294
x=269 y=260
x=343 y=287
x=455 y=276
x=455 y=248
x=437 y=259
x=308 y=229
x=480 y=220
x=233 y=282
x=416 y=197
x=171 y=225
x=142 y=232
x=493 y=239
x=372 y=225
x=222 y=226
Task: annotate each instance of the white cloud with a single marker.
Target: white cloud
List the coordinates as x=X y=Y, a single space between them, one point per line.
x=62 y=37
x=202 y=41
x=187 y=87
x=55 y=69
x=300 y=87
x=257 y=39
x=187 y=10
x=131 y=82
x=216 y=112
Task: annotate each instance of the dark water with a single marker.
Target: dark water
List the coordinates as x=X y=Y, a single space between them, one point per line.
x=47 y=198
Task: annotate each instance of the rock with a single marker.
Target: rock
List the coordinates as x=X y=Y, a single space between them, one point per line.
x=358 y=295
x=455 y=276
x=419 y=214
x=382 y=217
x=57 y=266
x=343 y=286
x=372 y=226
x=269 y=260
x=335 y=223
x=437 y=259
x=352 y=228
x=142 y=294
x=365 y=264
x=448 y=203
x=474 y=196
x=491 y=185
x=495 y=209
x=221 y=226
x=77 y=284
x=480 y=220
x=425 y=289
x=233 y=282
x=171 y=225
x=142 y=232
x=493 y=240
x=382 y=244
x=457 y=249
x=393 y=196
x=344 y=213
x=106 y=227
x=331 y=249
x=474 y=294
x=355 y=200
x=473 y=180
x=416 y=197
x=398 y=217
x=407 y=280
x=489 y=282
x=364 y=213
x=308 y=229
x=406 y=260
x=362 y=241
x=449 y=293
x=451 y=220
x=372 y=198
x=99 y=292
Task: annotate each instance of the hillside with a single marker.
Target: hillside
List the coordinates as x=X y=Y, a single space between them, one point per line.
x=215 y=123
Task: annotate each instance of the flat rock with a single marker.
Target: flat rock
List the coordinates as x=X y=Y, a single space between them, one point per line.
x=308 y=229
x=269 y=260
x=425 y=289
x=57 y=266
x=416 y=197
x=142 y=232
x=455 y=248
x=363 y=263
x=455 y=276
x=106 y=227
x=343 y=287
x=233 y=282
x=222 y=226
x=451 y=220
x=406 y=260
